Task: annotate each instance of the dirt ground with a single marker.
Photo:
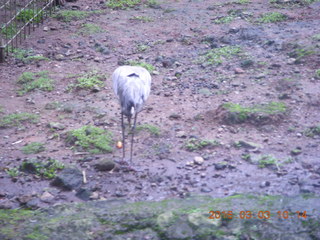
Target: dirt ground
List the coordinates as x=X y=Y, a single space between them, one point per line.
x=186 y=93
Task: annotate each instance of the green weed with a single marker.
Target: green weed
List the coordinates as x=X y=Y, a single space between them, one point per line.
x=46 y=169
x=147 y=66
x=13 y=172
x=224 y=20
x=70 y=15
x=9 y=31
x=90 y=138
x=122 y=4
x=142 y=18
x=27 y=56
x=317 y=74
x=154 y=130
x=33 y=148
x=27 y=14
x=272 y=17
x=194 y=144
x=267 y=160
x=218 y=55
x=30 y=81
x=316 y=37
x=16 y=119
x=90 y=29
x=90 y=80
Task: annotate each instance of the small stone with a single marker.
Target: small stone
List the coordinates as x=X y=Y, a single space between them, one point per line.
x=265 y=184
x=291 y=61
x=296 y=151
x=181 y=134
x=238 y=71
x=206 y=189
x=198 y=160
x=84 y=194
x=56 y=125
x=94 y=196
x=105 y=165
x=46 y=197
x=45 y=29
x=59 y=57
x=220 y=166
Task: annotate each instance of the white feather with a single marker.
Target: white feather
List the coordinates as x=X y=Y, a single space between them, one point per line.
x=132 y=86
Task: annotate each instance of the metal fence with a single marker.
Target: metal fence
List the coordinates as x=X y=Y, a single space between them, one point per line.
x=18 y=18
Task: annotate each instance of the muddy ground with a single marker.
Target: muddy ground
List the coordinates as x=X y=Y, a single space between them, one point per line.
x=184 y=103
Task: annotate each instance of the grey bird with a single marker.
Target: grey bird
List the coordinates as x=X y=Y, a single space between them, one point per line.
x=132 y=86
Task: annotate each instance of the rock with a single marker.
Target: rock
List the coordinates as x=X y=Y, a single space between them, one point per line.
x=246 y=63
x=56 y=126
x=105 y=165
x=59 y=57
x=68 y=179
x=46 y=197
x=220 y=165
x=238 y=71
x=265 y=184
x=181 y=134
x=84 y=194
x=248 y=145
x=45 y=29
x=296 y=151
x=206 y=189
x=198 y=160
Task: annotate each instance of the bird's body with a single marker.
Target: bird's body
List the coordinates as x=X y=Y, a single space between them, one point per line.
x=132 y=86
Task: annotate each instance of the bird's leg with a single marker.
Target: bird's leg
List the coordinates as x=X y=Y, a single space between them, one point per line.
x=132 y=132
x=123 y=137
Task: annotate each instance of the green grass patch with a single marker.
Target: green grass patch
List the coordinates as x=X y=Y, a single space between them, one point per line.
x=145 y=65
x=30 y=81
x=194 y=144
x=267 y=160
x=217 y=56
x=89 y=81
x=71 y=15
x=142 y=19
x=13 y=172
x=27 y=14
x=154 y=130
x=45 y=169
x=224 y=20
x=90 y=29
x=33 y=148
x=259 y=113
x=27 y=56
x=16 y=119
x=316 y=37
x=122 y=4
x=272 y=17
x=89 y=138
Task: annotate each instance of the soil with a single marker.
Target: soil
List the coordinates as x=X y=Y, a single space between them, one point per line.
x=183 y=103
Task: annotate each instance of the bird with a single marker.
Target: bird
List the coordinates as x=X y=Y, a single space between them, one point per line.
x=131 y=84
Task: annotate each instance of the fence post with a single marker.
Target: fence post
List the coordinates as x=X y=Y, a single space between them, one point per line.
x=2 y=51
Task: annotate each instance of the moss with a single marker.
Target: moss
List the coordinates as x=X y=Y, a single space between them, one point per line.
x=317 y=74
x=194 y=144
x=16 y=119
x=30 y=81
x=154 y=130
x=272 y=17
x=33 y=148
x=218 y=55
x=90 y=138
x=122 y=4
